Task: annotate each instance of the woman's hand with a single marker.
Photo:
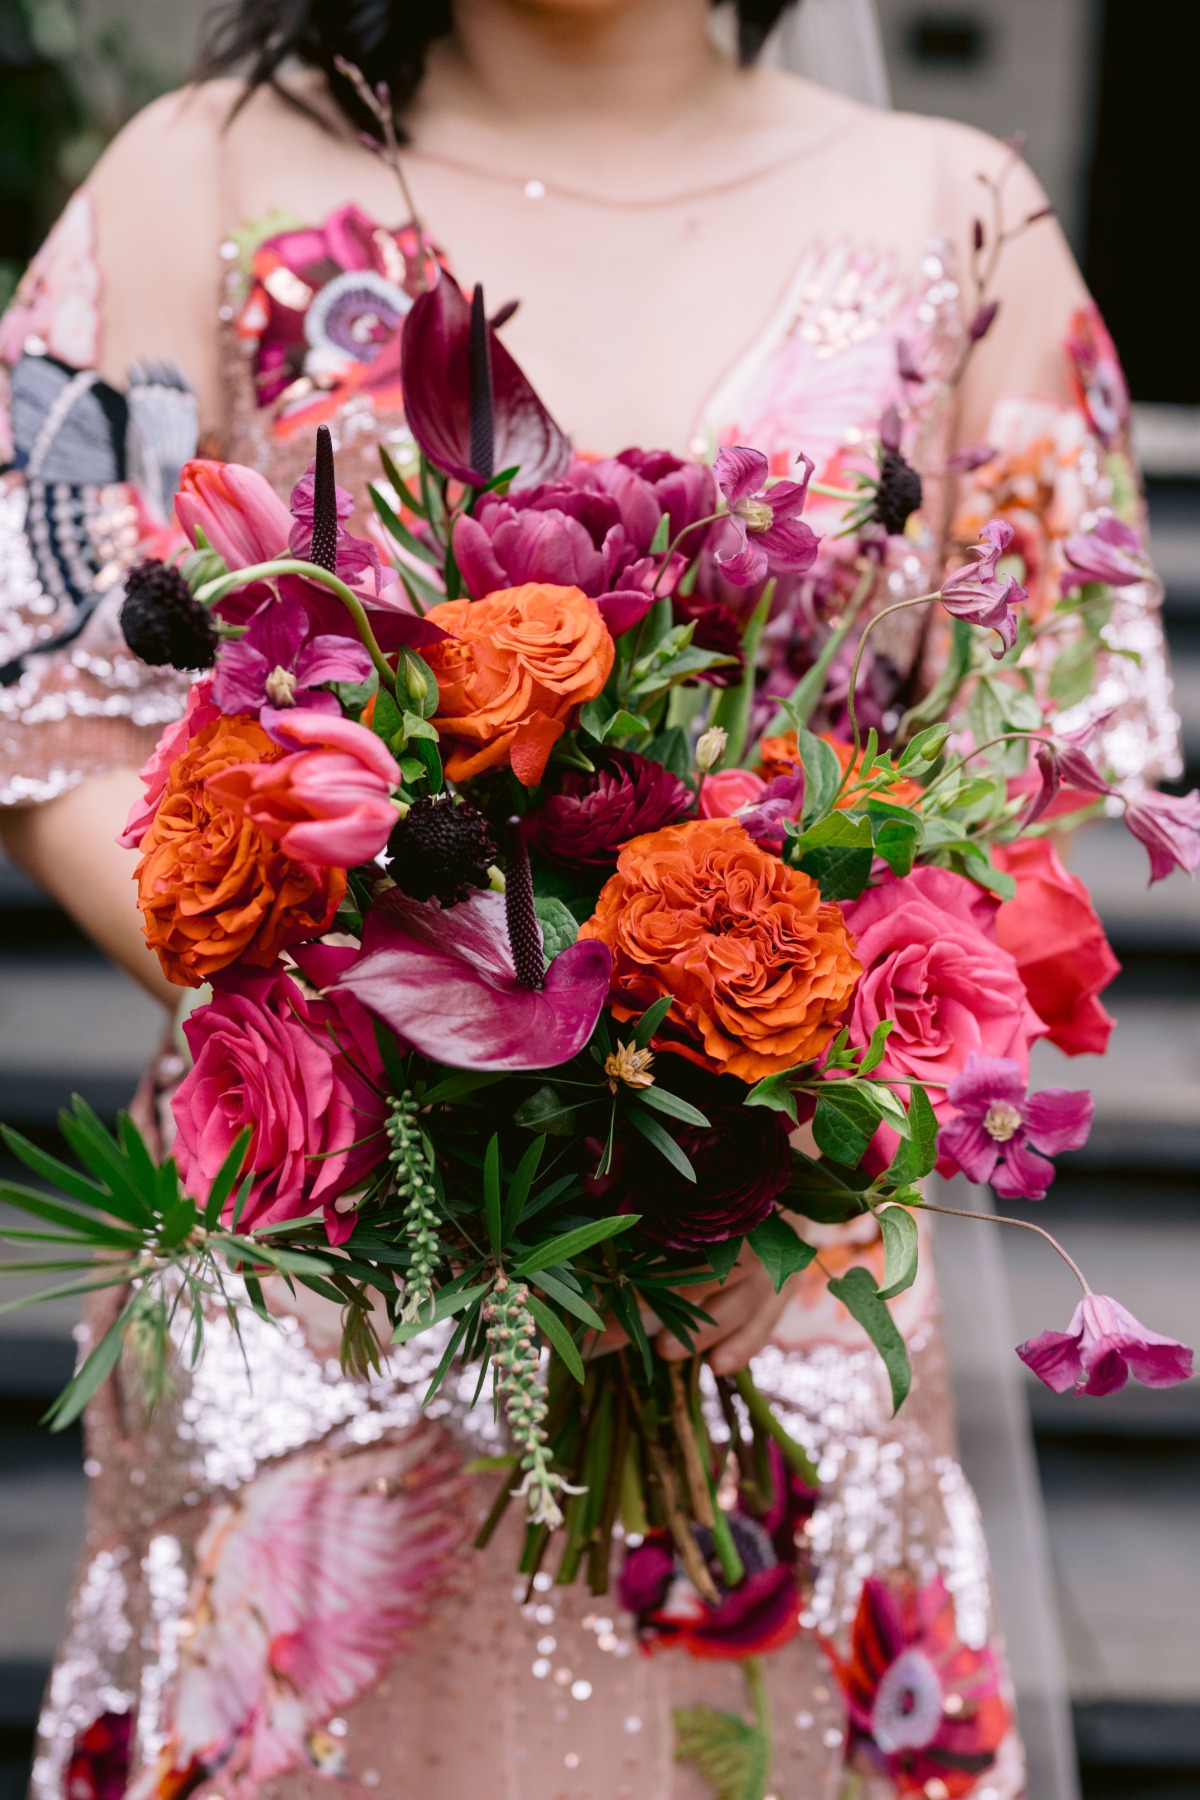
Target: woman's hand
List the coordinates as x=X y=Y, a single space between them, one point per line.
x=745 y=1309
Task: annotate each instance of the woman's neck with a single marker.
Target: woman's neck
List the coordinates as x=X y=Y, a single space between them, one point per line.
x=574 y=80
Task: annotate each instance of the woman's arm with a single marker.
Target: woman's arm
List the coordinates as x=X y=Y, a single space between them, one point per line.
x=69 y=847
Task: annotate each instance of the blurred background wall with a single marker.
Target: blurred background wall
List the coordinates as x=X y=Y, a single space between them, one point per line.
x=1103 y=90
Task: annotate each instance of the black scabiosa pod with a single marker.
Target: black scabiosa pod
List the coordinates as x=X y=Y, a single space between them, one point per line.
x=441 y=850
x=162 y=621
x=898 y=495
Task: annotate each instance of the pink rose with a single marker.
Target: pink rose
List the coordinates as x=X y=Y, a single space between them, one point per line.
x=721 y=794
x=1051 y=929
x=304 y=1073
x=198 y=713
x=932 y=964
x=330 y=803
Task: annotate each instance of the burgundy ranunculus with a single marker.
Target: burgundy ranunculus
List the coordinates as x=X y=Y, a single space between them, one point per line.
x=741 y=1159
x=584 y=825
x=717 y=629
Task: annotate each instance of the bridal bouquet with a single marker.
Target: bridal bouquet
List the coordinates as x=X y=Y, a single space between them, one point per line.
x=548 y=965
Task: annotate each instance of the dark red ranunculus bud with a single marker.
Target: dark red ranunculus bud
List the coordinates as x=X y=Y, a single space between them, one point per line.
x=584 y=825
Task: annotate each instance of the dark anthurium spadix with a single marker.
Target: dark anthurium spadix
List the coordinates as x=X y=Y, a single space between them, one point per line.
x=483 y=424
x=444 y=980
x=524 y=936
x=437 y=371
x=325 y=507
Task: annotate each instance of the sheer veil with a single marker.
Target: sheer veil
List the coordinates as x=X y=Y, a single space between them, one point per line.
x=835 y=42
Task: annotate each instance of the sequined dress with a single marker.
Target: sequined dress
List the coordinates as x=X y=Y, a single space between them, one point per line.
x=278 y=1595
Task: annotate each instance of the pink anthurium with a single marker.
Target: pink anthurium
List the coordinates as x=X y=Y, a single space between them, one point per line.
x=445 y=981
x=436 y=374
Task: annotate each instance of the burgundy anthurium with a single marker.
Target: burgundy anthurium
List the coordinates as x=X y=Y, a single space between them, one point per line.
x=445 y=981
x=437 y=370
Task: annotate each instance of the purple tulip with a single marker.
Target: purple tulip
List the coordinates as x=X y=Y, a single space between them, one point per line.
x=1101 y=1348
x=1169 y=826
x=446 y=983
x=558 y=533
x=975 y=591
x=648 y=484
x=1110 y=552
x=435 y=373
x=584 y=825
x=772 y=537
x=282 y=663
x=999 y=1127
x=1063 y=762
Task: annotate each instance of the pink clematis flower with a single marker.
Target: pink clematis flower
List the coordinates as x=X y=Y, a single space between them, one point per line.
x=772 y=537
x=281 y=664
x=1101 y=1348
x=446 y=982
x=1063 y=762
x=975 y=591
x=330 y=802
x=1110 y=552
x=1169 y=826
x=999 y=1127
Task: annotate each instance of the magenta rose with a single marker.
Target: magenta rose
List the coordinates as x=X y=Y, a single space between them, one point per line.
x=303 y=1072
x=931 y=963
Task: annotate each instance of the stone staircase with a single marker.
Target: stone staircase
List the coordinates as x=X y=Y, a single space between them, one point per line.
x=1118 y=1515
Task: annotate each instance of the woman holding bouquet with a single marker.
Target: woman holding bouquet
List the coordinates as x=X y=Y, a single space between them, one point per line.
x=279 y=1593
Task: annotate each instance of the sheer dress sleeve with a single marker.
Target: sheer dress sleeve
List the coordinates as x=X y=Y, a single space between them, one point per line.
x=86 y=478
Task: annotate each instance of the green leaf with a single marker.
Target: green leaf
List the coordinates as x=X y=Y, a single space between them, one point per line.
x=722 y=1256
x=650 y=1021
x=629 y=1314
x=732 y=711
x=822 y=1191
x=447 y=1302
x=387 y=721
x=872 y=1056
x=546 y=1110
x=915 y=1155
x=672 y=750
x=661 y=540
x=899 y=1230
x=59 y=1174
x=922 y=751
x=559 y=930
x=664 y=1101
x=491 y=1195
x=624 y=725
x=822 y=774
x=858 y=1294
x=96 y=1370
x=519 y=1186
x=568 y=1298
x=97 y=1230
x=734 y=1758
x=780 y=1249
x=897 y=841
x=460 y=1086
x=663 y=1142
x=428 y=553
x=775 y=1092
x=845 y=1121
x=570 y=1244
x=226 y=1175
x=556 y=1334
x=840 y=874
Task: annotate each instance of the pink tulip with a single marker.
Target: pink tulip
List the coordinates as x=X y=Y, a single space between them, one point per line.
x=236 y=508
x=330 y=802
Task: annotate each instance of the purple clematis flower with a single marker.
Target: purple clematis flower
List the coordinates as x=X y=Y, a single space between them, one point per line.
x=781 y=799
x=999 y=1127
x=1101 y=1348
x=1063 y=762
x=1169 y=826
x=446 y=983
x=772 y=537
x=975 y=592
x=1110 y=552
x=436 y=375
x=282 y=663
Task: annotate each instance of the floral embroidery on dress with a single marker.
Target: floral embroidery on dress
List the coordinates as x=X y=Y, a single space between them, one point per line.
x=923 y=1707
x=305 y=1587
x=324 y=307
x=56 y=308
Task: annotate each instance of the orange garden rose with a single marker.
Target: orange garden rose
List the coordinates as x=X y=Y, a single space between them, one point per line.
x=510 y=675
x=779 y=756
x=212 y=888
x=759 y=966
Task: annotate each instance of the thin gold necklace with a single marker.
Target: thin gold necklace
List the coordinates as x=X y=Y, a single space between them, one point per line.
x=535 y=188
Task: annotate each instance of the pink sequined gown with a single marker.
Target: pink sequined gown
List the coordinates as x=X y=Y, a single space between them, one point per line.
x=278 y=1598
